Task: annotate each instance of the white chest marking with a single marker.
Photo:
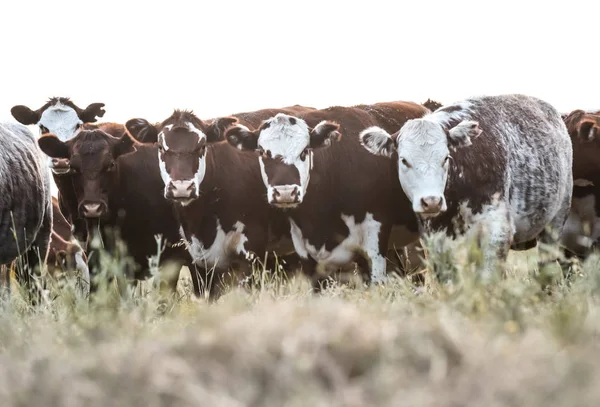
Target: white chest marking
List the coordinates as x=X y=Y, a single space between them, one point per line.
x=220 y=252
x=363 y=239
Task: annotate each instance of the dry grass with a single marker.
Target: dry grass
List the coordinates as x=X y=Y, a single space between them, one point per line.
x=508 y=342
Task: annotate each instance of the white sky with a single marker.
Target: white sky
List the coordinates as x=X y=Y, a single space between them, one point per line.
x=144 y=58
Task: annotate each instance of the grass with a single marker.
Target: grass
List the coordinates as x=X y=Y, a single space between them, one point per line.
x=529 y=339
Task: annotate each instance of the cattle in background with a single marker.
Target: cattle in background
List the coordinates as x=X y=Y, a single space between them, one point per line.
x=582 y=229
x=65 y=255
x=218 y=192
x=25 y=202
x=341 y=201
x=119 y=191
x=432 y=105
x=500 y=162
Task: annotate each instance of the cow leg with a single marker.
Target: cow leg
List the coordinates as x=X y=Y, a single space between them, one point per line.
x=552 y=235
x=209 y=282
x=496 y=239
x=35 y=258
x=375 y=247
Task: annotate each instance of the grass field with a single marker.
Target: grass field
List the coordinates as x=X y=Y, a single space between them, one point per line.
x=515 y=341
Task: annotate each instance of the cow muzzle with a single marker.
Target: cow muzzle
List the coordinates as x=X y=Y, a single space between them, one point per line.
x=430 y=206
x=181 y=191
x=60 y=166
x=89 y=209
x=286 y=196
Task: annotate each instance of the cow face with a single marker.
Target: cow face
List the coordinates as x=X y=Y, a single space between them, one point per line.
x=285 y=147
x=182 y=142
x=61 y=117
x=422 y=150
x=92 y=157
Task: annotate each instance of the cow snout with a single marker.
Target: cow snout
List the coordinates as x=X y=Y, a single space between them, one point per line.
x=288 y=195
x=60 y=165
x=92 y=209
x=432 y=204
x=179 y=190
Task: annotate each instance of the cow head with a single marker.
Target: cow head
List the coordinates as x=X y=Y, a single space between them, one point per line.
x=65 y=257
x=584 y=130
x=182 y=141
x=61 y=117
x=92 y=157
x=284 y=145
x=422 y=150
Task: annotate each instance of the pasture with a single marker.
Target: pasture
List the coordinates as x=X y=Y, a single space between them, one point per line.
x=529 y=339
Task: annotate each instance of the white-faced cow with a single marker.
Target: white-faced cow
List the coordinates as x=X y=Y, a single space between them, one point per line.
x=341 y=202
x=503 y=162
x=217 y=190
x=582 y=229
x=25 y=201
x=119 y=189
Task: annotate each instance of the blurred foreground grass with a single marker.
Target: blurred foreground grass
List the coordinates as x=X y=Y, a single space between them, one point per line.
x=510 y=342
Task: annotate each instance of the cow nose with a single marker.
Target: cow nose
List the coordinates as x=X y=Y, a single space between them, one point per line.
x=185 y=189
x=431 y=204
x=286 y=195
x=60 y=165
x=92 y=209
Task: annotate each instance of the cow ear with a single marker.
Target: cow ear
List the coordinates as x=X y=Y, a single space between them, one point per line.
x=53 y=147
x=324 y=134
x=25 y=115
x=241 y=137
x=142 y=130
x=89 y=114
x=378 y=141
x=588 y=130
x=216 y=130
x=463 y=133
x=124 y=145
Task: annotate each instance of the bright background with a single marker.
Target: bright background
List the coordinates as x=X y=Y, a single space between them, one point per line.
x=144 y=58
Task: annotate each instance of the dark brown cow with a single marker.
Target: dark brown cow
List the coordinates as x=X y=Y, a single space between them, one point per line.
x=353 y=198
x=582 y=228
x=118 y=187
x=432 y=105
x=221 y=206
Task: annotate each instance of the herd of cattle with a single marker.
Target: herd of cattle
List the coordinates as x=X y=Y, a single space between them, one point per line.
x=322 y=188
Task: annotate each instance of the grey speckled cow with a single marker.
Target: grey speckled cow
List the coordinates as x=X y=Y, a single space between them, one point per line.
x=502 y=162
x=25 y=201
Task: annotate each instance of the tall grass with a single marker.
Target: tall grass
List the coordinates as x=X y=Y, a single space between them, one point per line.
x=525 y=338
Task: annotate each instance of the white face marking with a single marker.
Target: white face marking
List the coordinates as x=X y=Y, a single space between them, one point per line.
x=199 y=176
x=363 y=239
x=61 y=120
x=422 y=162
x=224 y=248
x=287 y=140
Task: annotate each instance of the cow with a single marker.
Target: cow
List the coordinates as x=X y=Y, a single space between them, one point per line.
x=501 y=162
x=65 y=255
x=219 y=204
x=582 y=228
x=62 y=117
x=25 y=204
x=432 y=105
x=119 y=190
x=341 y=202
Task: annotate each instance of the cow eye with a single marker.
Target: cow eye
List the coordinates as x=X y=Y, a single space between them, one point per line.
x=44 y=130
x=112 y=166
x=304 y=153
x=405 y=163
x=446 y=160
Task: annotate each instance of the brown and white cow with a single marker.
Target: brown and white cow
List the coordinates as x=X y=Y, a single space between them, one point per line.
x=502 y=162
x=582 y=229
x=218 y=191
x=341 y=202
x=118 y=187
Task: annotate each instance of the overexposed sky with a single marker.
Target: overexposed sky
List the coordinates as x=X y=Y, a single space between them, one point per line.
x=145 y=58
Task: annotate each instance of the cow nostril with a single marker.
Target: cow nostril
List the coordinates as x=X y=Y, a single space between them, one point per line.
x=424 y=203
x=191 y=187
x=276 y=193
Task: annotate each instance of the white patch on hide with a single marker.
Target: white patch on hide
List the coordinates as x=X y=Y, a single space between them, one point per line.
x=222 y=250
x=363 y=239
